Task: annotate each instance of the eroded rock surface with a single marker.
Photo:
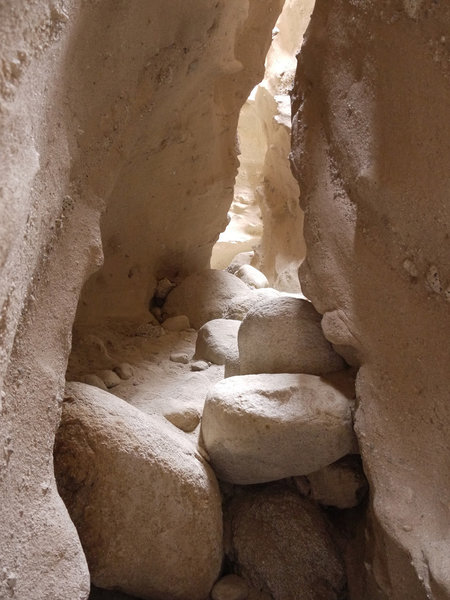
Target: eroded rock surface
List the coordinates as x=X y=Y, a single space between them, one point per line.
x=370 y=151
x=146 y=505
x=260 y=428
x=280 y=543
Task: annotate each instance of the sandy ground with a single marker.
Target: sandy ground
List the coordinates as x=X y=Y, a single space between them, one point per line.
x=158 y=385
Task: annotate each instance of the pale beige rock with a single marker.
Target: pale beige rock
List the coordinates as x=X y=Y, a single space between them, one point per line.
x=243 y=258
x=95 y=380
x=283 y=335
x=252 y=277
x=199 y=365
x=259 y=428
x=375 y=256
x=171 y=135
x=204 y=296
x=178 y=323
x=230 y=587
x=147 y=508
x=264 y=185
x=239 y=306
x=179 y=357
x=232 y=366
x=124 y=371
x=185 y=418
x=280 y=543
x=109 y=378
x=341 y=484
x=217 y=341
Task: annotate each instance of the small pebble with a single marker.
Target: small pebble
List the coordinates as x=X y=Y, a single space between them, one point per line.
x=179 y=357
x=110 y=379
x=186 y=420
x=124 y=371
x=199 y=365
x=94 y=380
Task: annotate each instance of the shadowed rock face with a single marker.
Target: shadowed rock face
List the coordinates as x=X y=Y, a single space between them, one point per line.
x=371 y=151
x=98 y=100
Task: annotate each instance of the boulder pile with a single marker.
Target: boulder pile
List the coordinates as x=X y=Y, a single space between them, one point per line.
x=276 y=433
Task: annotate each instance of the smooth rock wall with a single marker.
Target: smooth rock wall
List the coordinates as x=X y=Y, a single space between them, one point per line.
x=130 y=107
x=371 y=152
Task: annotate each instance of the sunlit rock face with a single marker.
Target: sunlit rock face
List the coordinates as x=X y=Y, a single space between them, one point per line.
x=371 y=153
x=265 y=213
x=168 y=101
x=128 y=107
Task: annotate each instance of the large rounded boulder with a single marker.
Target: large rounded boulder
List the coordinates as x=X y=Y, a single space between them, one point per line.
x=146 y=506
x=204 y=296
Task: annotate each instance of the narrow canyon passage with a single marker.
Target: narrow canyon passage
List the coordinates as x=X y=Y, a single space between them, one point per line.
x=190 y=411
x=214 y=376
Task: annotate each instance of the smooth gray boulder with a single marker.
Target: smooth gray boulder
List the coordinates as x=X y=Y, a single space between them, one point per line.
x=283 y=335
x=265 y=427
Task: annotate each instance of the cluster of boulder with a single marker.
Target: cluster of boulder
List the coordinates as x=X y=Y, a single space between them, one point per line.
x=238 y=512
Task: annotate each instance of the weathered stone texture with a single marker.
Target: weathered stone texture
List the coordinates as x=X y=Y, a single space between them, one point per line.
x=371 y=153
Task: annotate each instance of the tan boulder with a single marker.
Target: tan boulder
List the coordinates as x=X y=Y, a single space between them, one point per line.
x=204 y=296
x=259 y=428
x=146 y=506
x=252 y=277
x=217 y=341
x=279 y=542
x=283 y=335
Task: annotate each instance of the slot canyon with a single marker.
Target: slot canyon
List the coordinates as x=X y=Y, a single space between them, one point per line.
x=224 y=300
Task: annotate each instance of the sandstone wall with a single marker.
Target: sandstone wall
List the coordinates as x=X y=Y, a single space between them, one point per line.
x=265 y=213
x=371 y=153
x=173 y=107
x=130 y=107
x=282 y=246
